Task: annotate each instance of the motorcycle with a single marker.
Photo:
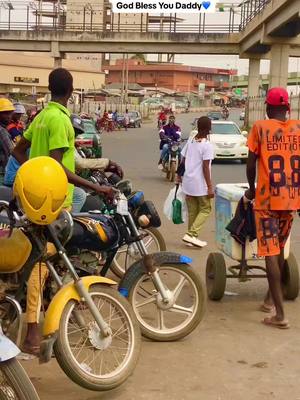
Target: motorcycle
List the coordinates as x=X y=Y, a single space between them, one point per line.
x=225 y=114
x=171 y=164
x=166 y=293
x=14 y=382
x=90 y=327
x=152 y=238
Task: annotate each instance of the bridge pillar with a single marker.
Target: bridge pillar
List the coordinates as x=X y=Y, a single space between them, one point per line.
x=279 y=66
x=254 y=77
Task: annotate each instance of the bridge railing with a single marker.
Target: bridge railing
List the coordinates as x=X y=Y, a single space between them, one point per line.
x=250 y=9
x=256 y=108
x=25 y=17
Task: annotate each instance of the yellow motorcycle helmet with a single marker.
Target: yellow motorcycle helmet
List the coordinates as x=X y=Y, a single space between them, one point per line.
x=6 y=105
x=41 y=188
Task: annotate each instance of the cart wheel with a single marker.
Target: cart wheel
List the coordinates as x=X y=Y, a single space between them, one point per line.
x=215 y=276
x=291 y=278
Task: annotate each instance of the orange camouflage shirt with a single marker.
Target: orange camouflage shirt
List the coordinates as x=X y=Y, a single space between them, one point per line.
x=277 y=145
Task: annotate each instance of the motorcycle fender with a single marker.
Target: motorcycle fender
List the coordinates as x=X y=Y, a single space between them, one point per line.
x=138 y=269
x=62 y=297
x=8 y=349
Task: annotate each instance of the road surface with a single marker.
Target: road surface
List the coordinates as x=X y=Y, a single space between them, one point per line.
x=231 y=355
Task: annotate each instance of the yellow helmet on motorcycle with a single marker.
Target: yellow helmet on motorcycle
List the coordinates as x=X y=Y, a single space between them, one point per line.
x=6 y=105
x=41 y=187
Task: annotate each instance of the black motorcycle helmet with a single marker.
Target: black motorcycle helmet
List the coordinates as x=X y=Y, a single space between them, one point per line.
x=77 y=124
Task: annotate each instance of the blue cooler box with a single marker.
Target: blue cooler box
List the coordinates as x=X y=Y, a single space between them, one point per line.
x=227 y=197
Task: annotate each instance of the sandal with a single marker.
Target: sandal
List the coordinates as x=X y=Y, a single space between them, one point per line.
x=266 y=308
x=273 y=322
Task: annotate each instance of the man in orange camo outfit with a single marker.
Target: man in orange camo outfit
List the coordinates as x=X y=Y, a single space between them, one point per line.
x=274 y=149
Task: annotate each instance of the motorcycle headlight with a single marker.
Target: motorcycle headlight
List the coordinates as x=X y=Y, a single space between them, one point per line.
x=174 y=147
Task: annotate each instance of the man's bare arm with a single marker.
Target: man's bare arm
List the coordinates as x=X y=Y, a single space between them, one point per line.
x=76 y=180
x=207 y=177
x=20 y=151
x=251 y=175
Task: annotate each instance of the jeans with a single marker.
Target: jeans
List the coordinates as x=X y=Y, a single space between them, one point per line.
x=164 y=152
x=199 y=209
x=79 y=197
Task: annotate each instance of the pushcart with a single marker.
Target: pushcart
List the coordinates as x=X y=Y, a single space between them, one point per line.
x=247 y=265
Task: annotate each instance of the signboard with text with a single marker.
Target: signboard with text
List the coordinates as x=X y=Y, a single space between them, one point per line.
x=26 y=80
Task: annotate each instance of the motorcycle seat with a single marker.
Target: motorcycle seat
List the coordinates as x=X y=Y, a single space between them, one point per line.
x=6 y=193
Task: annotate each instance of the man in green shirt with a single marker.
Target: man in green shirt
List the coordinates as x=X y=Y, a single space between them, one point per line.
x=51 y=134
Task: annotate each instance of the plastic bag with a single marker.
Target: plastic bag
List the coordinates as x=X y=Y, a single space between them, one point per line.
x=175 y=208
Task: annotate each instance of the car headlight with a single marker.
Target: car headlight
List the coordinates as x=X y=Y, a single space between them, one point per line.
x=132 y=121
x=174 y=147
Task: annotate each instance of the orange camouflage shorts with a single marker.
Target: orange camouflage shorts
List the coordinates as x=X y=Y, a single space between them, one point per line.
x=272 y=230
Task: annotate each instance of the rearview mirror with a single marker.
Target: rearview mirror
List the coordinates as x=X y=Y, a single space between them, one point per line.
x=245 y=133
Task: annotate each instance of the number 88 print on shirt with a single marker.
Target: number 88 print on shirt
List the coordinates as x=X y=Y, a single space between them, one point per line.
x=277 y=145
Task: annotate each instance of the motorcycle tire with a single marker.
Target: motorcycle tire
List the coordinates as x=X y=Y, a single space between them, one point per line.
x=172 y=171
x=119 y=268
x=81 y=373
x=15 y=382
x=178 y=332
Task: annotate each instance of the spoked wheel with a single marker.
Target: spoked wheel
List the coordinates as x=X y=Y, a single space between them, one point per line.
x=89 y=359
x=180 y=315
x=15 y=383
x=127 y=255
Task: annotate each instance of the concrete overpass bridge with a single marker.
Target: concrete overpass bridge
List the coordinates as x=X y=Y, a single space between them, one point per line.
x=259 y=29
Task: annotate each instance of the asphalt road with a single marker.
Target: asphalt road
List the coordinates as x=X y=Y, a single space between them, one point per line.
x=231 y=355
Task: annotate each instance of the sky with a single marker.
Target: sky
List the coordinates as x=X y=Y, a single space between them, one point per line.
x=232 y=62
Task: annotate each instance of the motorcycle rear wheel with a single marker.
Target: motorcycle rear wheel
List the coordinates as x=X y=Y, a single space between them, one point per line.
x=82 y=353
x=157 y=320
x=15 y=383
x=127 y=255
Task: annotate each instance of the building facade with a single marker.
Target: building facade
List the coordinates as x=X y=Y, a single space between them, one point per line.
x=180 y=78
x=27 y=74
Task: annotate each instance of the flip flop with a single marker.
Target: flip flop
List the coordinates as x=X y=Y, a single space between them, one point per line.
x=266 y=308
x=271 y=321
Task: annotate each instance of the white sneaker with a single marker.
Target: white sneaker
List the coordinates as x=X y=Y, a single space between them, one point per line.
x=160 y=167
x=194 y=241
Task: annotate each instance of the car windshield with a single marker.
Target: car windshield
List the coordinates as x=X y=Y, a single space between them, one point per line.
x=89 y=127
x=225 y=129
x=214 y=114
x=132 y=114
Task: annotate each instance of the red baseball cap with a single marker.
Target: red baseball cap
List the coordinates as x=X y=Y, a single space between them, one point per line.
x=278 y=96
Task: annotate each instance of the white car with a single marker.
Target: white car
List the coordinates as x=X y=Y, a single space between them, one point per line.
x=228 y=140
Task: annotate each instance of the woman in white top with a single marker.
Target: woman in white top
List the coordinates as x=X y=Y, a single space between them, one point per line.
x=198 y=154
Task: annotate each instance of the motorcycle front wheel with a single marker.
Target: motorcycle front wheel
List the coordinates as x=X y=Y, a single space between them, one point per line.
x=176 y=319
x=90 y=360
x=127 y=255
x=15 y=383
x=172 y=172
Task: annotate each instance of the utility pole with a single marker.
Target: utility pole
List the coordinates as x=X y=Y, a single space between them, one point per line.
x=126 y=85
x=123 y=80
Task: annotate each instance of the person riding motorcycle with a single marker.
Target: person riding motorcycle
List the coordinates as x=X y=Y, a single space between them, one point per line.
x=171 y=131
x=6 y=143
x=162 y=118
x=225 y=112
x=16 y=127
x=92 y=163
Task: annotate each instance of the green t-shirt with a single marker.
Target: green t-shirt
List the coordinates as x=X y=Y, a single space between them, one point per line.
x=52 y=129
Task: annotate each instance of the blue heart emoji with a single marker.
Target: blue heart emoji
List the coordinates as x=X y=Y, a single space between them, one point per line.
x=206 y=4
